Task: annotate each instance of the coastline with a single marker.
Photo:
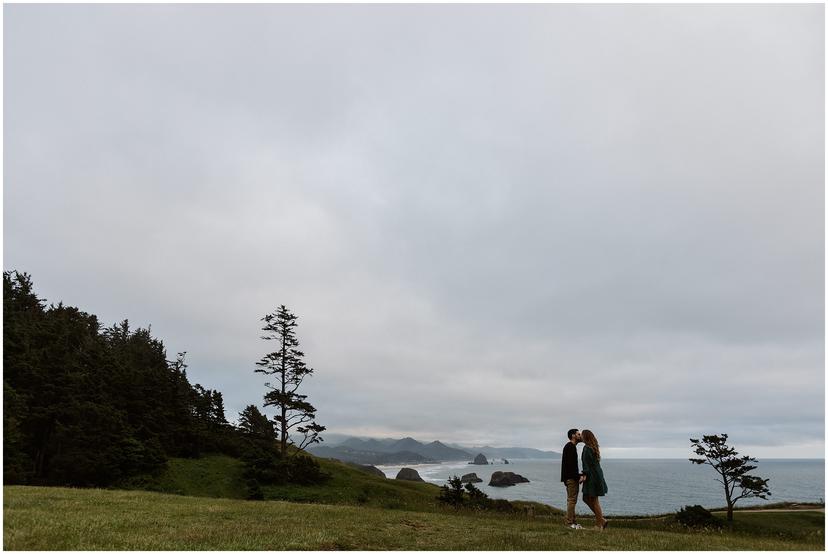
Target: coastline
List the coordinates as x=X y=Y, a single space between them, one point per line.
x=637 y=487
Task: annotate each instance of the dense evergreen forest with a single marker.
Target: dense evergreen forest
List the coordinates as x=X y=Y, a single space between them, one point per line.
x=87 y=405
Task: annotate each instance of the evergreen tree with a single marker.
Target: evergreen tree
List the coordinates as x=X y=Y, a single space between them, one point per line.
x=16 y=463
x=476 y=498
x=85 y=406
x=732 y=469
x=452 y=493
x=254 y=423
x=263 y=462
x=287 y=366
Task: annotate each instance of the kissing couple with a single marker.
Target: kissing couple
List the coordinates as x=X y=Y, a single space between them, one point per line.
x=591 y=476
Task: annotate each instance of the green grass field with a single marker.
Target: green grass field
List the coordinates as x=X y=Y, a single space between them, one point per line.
x=46 y=518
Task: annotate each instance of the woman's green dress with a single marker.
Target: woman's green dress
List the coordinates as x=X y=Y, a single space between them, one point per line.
x=594 y=484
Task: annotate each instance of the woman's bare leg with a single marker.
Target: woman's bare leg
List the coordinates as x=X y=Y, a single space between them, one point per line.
x=595 y=506
x=599 y=513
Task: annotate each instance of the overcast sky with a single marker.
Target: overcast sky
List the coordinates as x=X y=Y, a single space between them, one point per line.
x=494 y=222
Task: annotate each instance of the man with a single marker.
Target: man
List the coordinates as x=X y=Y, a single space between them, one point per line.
x=570 y=476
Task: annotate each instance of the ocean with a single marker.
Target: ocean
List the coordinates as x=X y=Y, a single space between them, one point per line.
x=637 y=487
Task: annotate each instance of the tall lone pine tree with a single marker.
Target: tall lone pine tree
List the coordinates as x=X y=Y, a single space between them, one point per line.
x=294 y=412
x=732 y=469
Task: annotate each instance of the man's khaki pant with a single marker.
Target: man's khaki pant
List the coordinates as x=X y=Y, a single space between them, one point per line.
x=571 y=500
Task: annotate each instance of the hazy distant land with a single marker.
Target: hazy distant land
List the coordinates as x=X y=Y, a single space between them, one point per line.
x=408 y=450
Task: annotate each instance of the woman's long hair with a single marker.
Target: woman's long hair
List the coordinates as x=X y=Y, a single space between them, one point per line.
x=592 y=442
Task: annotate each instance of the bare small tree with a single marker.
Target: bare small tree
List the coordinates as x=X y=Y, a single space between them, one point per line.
x=732 y=469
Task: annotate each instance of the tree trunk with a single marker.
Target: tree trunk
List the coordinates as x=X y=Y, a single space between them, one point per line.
x=728 y=500
x=38 y=462
x=40 y=452
x=284 y=410
x=284 y=432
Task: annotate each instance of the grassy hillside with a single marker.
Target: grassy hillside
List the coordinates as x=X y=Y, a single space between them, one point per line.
x=221 y=477
x=212 y=476
x=40 y=518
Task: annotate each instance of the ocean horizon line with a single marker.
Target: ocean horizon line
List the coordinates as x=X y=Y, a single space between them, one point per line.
x=759 y=460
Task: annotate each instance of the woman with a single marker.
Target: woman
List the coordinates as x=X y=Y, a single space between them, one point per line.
x=594 y=486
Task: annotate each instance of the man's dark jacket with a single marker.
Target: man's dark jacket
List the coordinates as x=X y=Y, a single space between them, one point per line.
x=569 y=463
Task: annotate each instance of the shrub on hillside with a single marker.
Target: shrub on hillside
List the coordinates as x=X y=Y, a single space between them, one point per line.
x=264 y=465
x=696 y=517
x=305 y=470
x=254 y=490
x=476 y=498
x=451 y=493
x=455 y=495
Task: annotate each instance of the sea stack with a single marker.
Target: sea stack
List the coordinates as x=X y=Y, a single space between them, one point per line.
x=506 y=479
x=373 y=471
x=480 y=460
x=471 y=478
x=408 y=474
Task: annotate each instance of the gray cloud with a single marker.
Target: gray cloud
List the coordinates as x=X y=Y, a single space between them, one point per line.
x=495 y=222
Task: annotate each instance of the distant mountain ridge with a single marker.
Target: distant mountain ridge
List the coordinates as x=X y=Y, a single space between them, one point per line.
x=362 y=450
x=346 y=454
x=409 y=450
x=516 y=452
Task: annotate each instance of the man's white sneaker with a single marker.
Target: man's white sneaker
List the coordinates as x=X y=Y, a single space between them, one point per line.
x=575 y=526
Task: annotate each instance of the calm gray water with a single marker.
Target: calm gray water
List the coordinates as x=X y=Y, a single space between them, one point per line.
x=638 y=486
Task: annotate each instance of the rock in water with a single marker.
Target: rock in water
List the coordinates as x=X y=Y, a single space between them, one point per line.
x=471 y=478
x=408 y=474
x=373 y=471
x=480 y=460
x=506 y=479
x=367 y=469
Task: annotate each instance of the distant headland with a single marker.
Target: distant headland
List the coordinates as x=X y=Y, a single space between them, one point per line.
x=411 y=451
